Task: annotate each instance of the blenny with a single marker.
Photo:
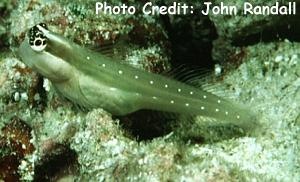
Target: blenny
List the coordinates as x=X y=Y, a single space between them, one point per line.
x=94 y=80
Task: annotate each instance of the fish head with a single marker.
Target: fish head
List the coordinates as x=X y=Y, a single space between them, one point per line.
x=39 y=51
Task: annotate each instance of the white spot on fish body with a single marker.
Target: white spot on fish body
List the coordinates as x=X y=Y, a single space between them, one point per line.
x=191 y=92
x=172 y=102
x=166 y=86
x=120 y=72
x=204 y=96
x=88 y=58
x=103 y=65
x=217 y=110
x=202 y=107
x=136 y=77
x=187 y=104
x=179 y=90
x=151 y=82
x=218 y=69
x=219 y=101
x=154 y=97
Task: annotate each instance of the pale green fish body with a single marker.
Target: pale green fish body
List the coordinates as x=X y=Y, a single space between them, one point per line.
x=93 y=80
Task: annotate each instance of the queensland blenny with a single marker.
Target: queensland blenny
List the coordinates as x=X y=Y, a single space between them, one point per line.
x=94 y=80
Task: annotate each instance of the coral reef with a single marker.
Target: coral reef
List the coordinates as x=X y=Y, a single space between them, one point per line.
x=235 y=31
x=47 y=138
x=239 y=27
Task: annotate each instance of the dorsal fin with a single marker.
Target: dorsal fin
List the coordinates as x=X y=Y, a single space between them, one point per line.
x=192 y=76
x=113 y=49
x=200 y=78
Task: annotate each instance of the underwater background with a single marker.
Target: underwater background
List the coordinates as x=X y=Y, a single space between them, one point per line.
x=252 y=60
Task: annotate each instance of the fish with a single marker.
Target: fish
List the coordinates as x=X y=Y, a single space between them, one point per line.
x=94 y=80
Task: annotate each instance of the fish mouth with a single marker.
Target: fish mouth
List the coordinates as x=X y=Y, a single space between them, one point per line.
x=36 y=38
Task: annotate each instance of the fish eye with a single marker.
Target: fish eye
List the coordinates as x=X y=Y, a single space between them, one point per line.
x=37 y=40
